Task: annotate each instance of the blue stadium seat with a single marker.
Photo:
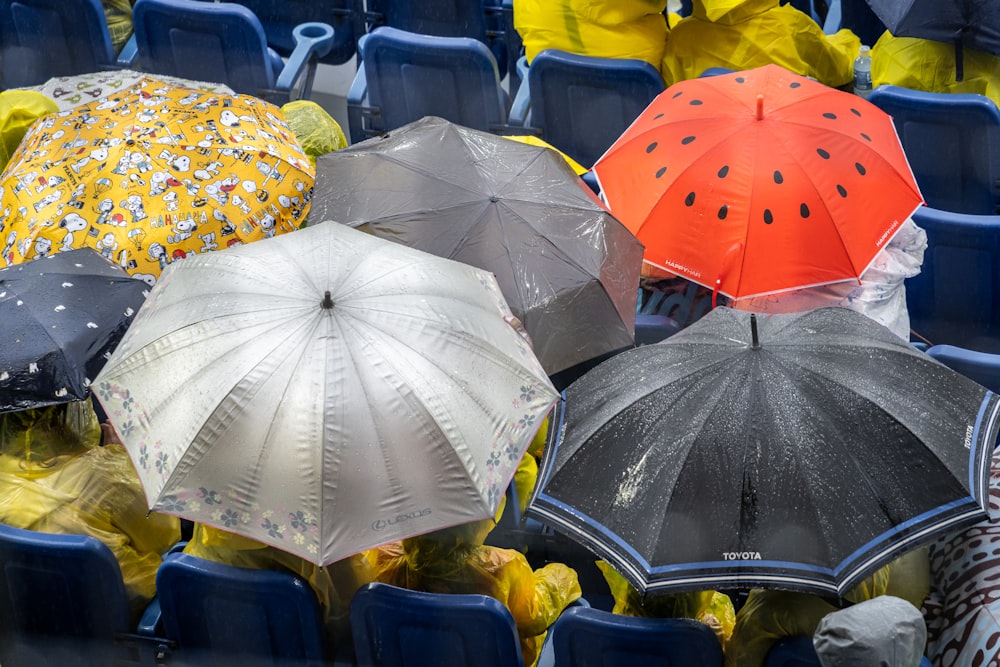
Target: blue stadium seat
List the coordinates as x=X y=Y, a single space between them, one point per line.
x=225 y=42
x=952 y=141
x=405 y=76
x=394 y=626
x=799 y=652
x=955 y=299
x=582 y=104
x=982 y=367
x=587 y=637
x=220 y=614
x=63 y=604
x=40 y=39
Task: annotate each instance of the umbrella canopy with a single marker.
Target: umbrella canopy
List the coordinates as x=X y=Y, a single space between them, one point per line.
x=567 y=268
x=759 y=181
x=151 y=175
x=325 y=392
x=964 y=23
x=74 y=90
x=60 y=319
x=804 y=456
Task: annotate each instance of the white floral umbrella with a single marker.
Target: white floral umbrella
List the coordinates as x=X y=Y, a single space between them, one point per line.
x=325 y=392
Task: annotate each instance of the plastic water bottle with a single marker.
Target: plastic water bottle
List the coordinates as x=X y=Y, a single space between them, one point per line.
x=863 y=72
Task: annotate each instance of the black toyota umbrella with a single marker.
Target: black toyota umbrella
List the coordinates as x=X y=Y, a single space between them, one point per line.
x=60 y=318
x=964 y=23
x=568 y=269
x=803 y=455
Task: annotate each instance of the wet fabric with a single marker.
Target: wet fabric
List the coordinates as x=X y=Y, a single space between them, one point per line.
x=923 y=64
x=317 y=131
x=56 y=478
x=455 y=560
x=601 y=28
x=744 y=34
x=885 y=631
x=334 y=584
x=18 y=110
x=712 y=608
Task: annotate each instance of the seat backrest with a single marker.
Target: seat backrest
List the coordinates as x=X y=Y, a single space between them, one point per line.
x=861 y=20
x=955 y=299
x=279 y=18
x=981 y=367
x=222 y=42
x=792 y=652
x=952 y=141
x=40 y=39
x=394 y=626
x=588 y=637
x=582 y=104
x=62 y=599
x=411 y=76
x=238 y=614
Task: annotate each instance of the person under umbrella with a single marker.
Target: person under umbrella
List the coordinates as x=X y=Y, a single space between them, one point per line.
x=55 y=477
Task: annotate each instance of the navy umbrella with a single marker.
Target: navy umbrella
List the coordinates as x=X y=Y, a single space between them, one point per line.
x=798 y=451
x=60 y=319
x=964 y=23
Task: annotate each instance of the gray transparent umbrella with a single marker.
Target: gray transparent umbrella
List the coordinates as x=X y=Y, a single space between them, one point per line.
x=568 y=269
x=797 y=451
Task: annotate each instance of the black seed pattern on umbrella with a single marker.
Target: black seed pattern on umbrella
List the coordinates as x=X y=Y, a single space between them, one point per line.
x=794 y=84
x=677 y=94
x=687 y=140
x=689 y=200
x=661 y=171
x=822 y=153
x=831 y=116
x=650 y=148
x=778 y=178
x=695 y=103
x=658 y=116
x=841 y=190
x=740 y=79
x=768 y=216
x=724 y=171
x=861 y=168
x=865 y=137
x=803 y=210
x=855 y=112
x=723 y=212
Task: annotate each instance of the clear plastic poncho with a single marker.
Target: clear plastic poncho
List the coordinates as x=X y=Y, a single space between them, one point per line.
x=601 y=28
x=334 y=584
x=56 y=478
x=712 y=608
x=317 y=131
x=454 y=560
x=923 y=64
x=744 y=34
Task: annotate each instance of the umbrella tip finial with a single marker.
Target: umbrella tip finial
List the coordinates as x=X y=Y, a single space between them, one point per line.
x=327 y=302
x=760 y=107
x=755 y=342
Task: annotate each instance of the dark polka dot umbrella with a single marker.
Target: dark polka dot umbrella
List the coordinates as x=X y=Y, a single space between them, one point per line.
x=61 y=317
x=759 y=181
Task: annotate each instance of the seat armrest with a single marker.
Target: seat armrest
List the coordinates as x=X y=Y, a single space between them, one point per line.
x=520 y=108
x=833 y=17
x=129 y=54
x=356 y=97
x=312 y=41
x=149 y=623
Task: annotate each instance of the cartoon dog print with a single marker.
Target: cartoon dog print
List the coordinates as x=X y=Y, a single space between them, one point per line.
x=72 y=222
x=133 y=204
x=183 y=229
x=208 y=242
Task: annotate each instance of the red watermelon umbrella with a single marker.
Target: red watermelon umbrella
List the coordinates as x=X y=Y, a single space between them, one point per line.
x=759 y=181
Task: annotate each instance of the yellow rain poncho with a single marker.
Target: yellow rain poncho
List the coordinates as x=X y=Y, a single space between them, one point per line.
x=710 y=607
x=923 y=64
x=334 y=584
x=600 y=28
x=744 y=34
x=118 y=14
x=56 y=478
x=454 y=560
x=18 y=110
x=769 y=615
x=317 y=131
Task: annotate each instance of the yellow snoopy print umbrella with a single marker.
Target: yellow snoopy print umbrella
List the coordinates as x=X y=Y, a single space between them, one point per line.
x=151 y=175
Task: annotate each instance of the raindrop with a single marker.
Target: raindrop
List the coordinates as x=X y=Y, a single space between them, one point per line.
x=865 y=137
x=803 y=210
x=724 y=171
x=855 y=112
x=823 y=154
x=723 y=212
x=831 y=116
x=841 y=190
x=687 y=140
x=778 y=178
x=695 y=103
x=768 y=216
x=661 y=171
x=689 y=200
x=650 y=148
x=861 y=168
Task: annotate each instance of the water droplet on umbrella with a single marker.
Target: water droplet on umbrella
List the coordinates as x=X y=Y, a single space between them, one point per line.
x=831 y=116
x=803 y=210
x=687 y=140
x=723 y=212
x=861 y=168
x=778 y=178
x=689 y=200
x=841 y=190
x=661 y=171
x=724 y=171
x=768 y=217
x=650 y=148
x=823 y=154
